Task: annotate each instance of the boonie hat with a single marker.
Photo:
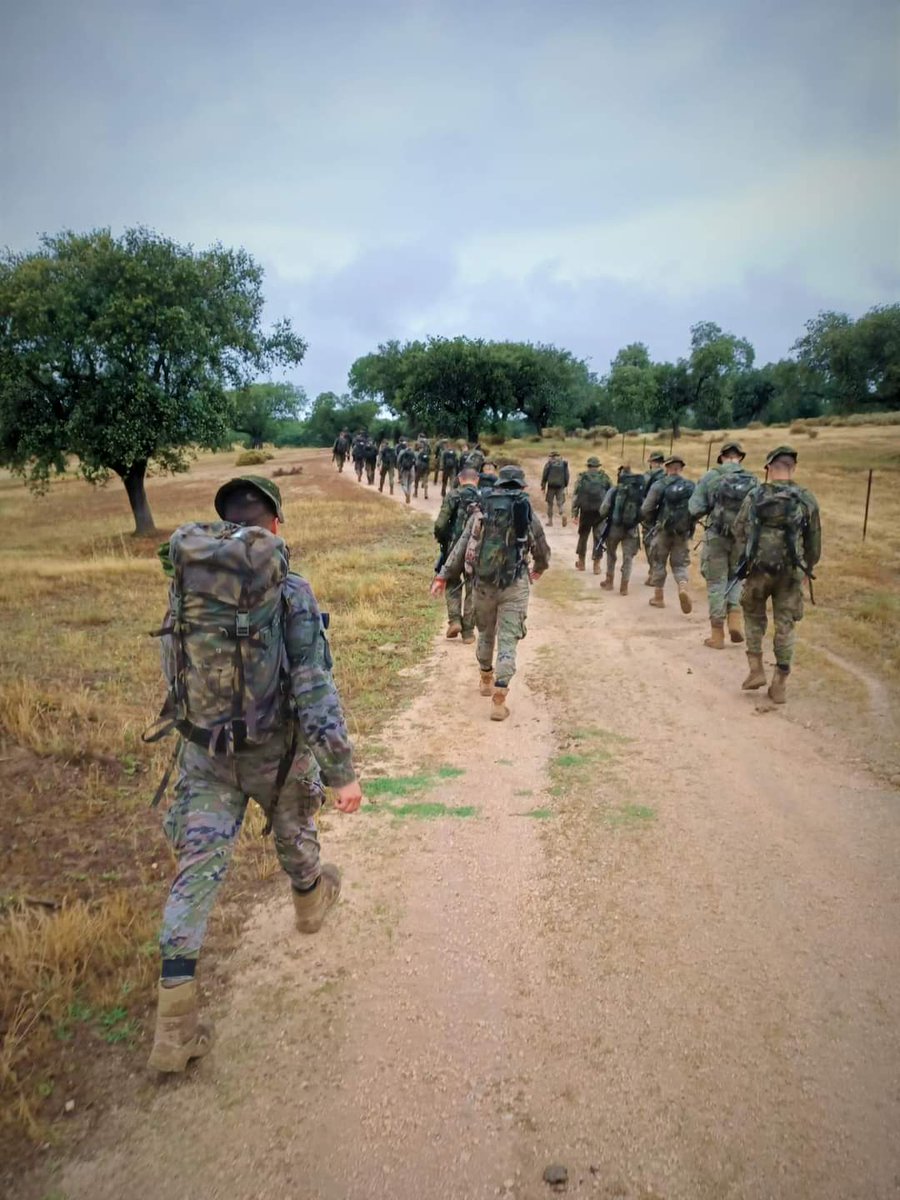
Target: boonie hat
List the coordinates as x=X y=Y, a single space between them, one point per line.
x=593 y=461
x=779 y=452
x=511 y=477
x=269 y=491
x=732 y=448
x=656 y=456
x=673 y=458
x=554 y=454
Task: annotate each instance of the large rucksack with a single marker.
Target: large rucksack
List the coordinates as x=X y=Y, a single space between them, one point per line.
x=388 y=457
x=504 y=537
x=627 y=504
x=423 y=458
x=556 y=474
x=778 y=523
x=733 y=489
x=227 y=665
x=406 y=459
x=449 y=460
x=592 y=490
x=676 y=517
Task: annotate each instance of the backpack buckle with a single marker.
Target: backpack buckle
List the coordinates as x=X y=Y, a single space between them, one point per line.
x=242 y=624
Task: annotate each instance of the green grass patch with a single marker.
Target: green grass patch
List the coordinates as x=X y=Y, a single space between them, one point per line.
x=629 y=814
x=431 y=810
x=409 y=785
x=538 y=814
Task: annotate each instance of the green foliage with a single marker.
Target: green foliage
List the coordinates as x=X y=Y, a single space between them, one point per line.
x=258 y=407
x=121 y=351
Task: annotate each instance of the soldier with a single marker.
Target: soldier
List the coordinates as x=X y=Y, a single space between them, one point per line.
x=341 y=449
x=387 y=457
x=406 y=465
x=358 y=454
x=422 y=466
x=554 y=481
x=779 y=532
x=622 y=510
x=487 y=478
x=495 y=546
x=439 y=446
x=473 y=457
x=449 y=468
x=277 y=736
x=656 y=471
x=370 y=456
x=591 y=487
x=448 y=527
x=719 y=496
x=665 y=513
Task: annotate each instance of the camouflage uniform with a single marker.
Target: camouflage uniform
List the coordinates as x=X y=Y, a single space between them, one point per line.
x=422 y=468
x=406 y=465
x=785 y=589
x=449 y=467
x=448 y=528
x=339 y=451
x=555 y=493
x=721 y=551
x=588 y=519
x=650 y=477
x=370 y=454
x=388 y=460
x=439 y=447
x=665 y=547
x=617 y=536
x=212 y=791
x=358 y=454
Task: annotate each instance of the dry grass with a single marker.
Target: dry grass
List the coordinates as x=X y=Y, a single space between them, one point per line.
x=85 y=867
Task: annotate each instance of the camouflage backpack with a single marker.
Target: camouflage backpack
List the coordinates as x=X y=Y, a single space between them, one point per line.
x=591 y=490
x=556 y=474
x=389 y=457
x=423 y=458
x=223 y=644
x=629 y=496
x=504 y=537
x=730 y=495
x=676 y=517
x=778 y=523
x=406 y=459
x=448 y=460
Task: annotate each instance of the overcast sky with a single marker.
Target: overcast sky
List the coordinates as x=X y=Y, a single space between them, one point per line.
x=586 y=172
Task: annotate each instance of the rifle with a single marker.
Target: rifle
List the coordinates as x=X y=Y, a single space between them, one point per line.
x=740 y=573
x=602 y=537
x=442 y=558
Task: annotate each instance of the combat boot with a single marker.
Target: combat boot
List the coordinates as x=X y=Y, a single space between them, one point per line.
x=565 y=520
x=454 y=629
x=550 y=519
x=486 y=687
x=735 y=625
x=648 y=582
x=597 y=567
x=716 y=639
x=579 y=563
x=657 y=600
x=180 y=1034
x=499 y=711
x=407 y=497
x=778 y=686
x=311 y=907
x=684 y=598
x=757 y=677
x=623 y=588
x=468 y=637
x=607 y=583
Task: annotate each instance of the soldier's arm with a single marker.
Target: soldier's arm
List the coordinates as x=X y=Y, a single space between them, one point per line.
x=651 y=502
x=566 y=483
x=320 y=717
x=456 y=559
x=576 y=503
x=703 y=497
x=607 y=502
x=813 y=539
x=444 y=518
x=544 y=474
x=741 y=527
x=540 y=550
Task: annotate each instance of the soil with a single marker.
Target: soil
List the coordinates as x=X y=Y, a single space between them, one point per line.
x=682 y=984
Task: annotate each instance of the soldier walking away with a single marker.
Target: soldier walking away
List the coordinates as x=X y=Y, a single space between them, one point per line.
x=370 y=457
x=656 y=470
x=718 y=497
x=387 y=458
x=591 y=488
x=422 y=467
x=439 y=447
x=472 y=456
x=406 y=465
x=495 y=548
x=448 y=527
x=358 y=454
x=665 y=512
x=487 y=478
x=341 y=449
x=554 y=481
x=449 y=468
x=621 y=508
x=779 y=532
x=252 y=697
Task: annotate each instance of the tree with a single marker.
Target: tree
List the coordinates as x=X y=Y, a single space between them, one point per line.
x=716 y=359
x=632 y=387
x=120 y=351
x=257 y=407
x=332 y=413
x=673 y=394
x=857 y=363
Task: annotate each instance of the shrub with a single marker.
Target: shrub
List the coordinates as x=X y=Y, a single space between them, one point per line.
x=756 y=425
x=252 y=458
x=494 y=439
x=555 y=432
x=798 y=427
x=603 y=431
x=810 y=432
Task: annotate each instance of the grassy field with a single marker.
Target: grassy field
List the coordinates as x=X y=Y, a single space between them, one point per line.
x=84 y=863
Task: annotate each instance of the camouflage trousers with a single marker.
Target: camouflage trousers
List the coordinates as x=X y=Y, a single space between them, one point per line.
x=389 y=473
x=422 y=480
x=557 y=496
x=370 y=472
x=448 y=479
x=718 y=563
x=359 y=467
x=786 y=592
x=672 y=550
x=500 y=619
x=339 y=459
x=461 y=603
x=589 y=522
x=406 y=480
x=628 y=540
x=204 y=820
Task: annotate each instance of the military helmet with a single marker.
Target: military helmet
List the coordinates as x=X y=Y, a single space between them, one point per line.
x=781 y=452
x=656 y=456
x=554 y=454
x=593 y=461
x=731 y=448
x=258 y=484
x=673 y=458
x=511 y=477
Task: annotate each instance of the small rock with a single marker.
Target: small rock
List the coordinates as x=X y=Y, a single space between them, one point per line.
x=556 y=1175
x=70 y=1106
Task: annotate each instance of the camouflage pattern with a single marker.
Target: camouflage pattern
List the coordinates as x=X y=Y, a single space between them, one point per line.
x=556 y=498
x=786 y=593
x=461 y=603
x=591 y=480
x=387 y=457
x=628 y=540
x=590 y=524
x=370 y=456
x=650 y=477
x=473 y=458
x=720 y=554
x=267 y=489
x=449 y=463
x=422 y=468
x=406 y=463
x=806 y=539
x=454 y=513
x=439 y=447
x=500 y=619
x=670 y=549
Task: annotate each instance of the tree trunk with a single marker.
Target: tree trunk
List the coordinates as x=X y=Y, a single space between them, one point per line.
x=133 y=479
x=676 y=427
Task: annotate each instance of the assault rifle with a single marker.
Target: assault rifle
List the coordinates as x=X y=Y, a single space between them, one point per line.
x=603 y=535
x=740 y=572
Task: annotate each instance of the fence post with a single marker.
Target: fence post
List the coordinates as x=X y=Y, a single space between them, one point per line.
x=644 y=450
x=868 y=496
x=623 y=446
x=672 y=440
x=709 y=456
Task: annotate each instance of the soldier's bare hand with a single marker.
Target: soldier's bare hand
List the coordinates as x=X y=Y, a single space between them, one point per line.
x=534 y=576
x=348 y=798
x=438 y=587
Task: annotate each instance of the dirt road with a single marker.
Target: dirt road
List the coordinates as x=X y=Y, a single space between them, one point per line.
x=664 y=952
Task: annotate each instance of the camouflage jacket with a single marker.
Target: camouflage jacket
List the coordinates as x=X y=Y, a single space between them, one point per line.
x=594 y=473
x=811 y=548
x=454 y=513
x=703 y=498
x=537 y=547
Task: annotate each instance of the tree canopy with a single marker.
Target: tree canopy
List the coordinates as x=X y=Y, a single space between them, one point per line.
x=121 y=351
x=259 y=407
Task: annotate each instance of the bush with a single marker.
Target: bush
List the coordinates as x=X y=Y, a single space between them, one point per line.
x=756 y=425
x=603 y=431
x=798 y=427
x=252 y=458
x=554 y=432
x=810 y=432
x=494 y=439
x=688 y=432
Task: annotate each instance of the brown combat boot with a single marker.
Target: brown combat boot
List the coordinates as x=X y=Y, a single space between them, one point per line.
x=716 y=639
x=757 y=677
x=607 y=583
x=565 y=520
x=312 y=907
x=550 y=519
x=407 y=497
x=597 y=566
x=778 y=686
x=648 y=582
x=454 y=629
x=468 y=637
x=579 y=564
x=735 y=625
x=623 y=588
x=180 y=1034
x=499 y=711
x=684 y=598
x=657 y=600
x=486 y=687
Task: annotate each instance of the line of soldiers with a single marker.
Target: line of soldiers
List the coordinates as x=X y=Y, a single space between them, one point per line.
x=412 y=465
x=760 y=541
